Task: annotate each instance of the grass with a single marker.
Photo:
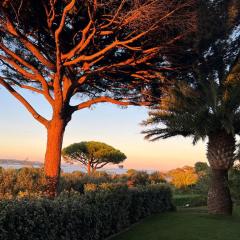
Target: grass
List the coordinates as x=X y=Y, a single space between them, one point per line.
x=186 y=224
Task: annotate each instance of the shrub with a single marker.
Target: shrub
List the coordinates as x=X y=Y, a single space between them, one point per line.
x=156 y=177
x=112 y=186
x=234 y=182
x=190 y=200
x=30 y=182
x=137 y=178
x=90 y=187
x=149 y=200
x=72 y=181
x=14 y=182
x=93 y=215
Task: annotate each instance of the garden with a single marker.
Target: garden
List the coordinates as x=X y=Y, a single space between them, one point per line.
x=103 y=205
x=179 y=60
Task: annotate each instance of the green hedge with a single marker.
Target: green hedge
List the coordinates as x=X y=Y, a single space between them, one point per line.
x=93 y=215
x=190 y=200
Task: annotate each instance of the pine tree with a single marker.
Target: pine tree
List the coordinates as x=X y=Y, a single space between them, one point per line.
x=99 y=51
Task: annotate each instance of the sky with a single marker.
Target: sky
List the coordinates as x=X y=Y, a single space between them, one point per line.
x=22 y=137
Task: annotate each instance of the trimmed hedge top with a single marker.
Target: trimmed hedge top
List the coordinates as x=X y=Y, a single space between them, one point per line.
x=94 y=215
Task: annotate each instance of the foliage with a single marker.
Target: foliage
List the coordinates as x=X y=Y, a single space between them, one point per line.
x=234 y=181
x=189 y=200
x=26 y=182
x=30 y=182
x=204 y=176
x=200 y=188
x=136 y=178
x=202 y=185
x=201 y=172
x=208 y=98
x=205 y=98
x=157 y=177
x=183 y=177
x=90 y=187
x=72 y=181
x=201 y=167
x=94 y=215
x=94 y=155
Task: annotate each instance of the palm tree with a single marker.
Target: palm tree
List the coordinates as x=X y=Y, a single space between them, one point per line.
x=204 y=109
x=203 y=102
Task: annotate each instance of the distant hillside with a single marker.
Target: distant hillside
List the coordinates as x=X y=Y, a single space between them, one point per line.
x=19 y=162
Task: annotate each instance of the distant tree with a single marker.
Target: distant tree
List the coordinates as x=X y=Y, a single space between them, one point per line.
x=93 y=155
x=204 y=176
x=100 y=51
x=234 y=181
x=131 y=172
x=156 y=177
x=204 y=101
x=201 y=167
x=183 y=177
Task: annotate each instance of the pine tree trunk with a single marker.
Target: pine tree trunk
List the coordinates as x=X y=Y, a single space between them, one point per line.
x=52 y=165
x=89 y=168
x=221 y=147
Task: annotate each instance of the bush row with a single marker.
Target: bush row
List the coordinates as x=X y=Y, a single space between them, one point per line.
x=94 y=215
x=30 y=182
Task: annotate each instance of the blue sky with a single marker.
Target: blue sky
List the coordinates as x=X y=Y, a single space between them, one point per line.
x=23 y=137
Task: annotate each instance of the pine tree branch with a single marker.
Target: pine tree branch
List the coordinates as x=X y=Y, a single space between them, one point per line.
x=89 y=103
x=99 y=166
x=25 y=103
x=18 y=68
x=83 y=42
x=108 y=48
x=9 y=27
x=37 y=75
x=33 y=89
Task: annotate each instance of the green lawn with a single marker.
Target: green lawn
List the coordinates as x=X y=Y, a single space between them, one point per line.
x=187 y=224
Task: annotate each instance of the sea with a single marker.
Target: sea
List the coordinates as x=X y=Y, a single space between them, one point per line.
x=68 y=168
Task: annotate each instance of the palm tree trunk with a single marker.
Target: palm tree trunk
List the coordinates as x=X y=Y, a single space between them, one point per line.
x=221 y=147
x=219 y=198
x=52 y=165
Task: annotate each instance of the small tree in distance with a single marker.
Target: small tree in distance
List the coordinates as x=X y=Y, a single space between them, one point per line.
x=183 y=177
x=201 y=167
x=93 y=155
